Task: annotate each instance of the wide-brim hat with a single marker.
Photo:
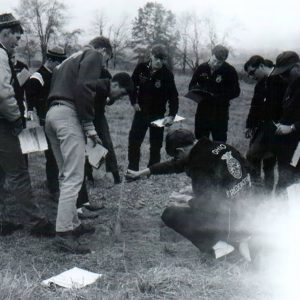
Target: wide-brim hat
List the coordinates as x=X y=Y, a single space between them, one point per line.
x=285 y=61
x=9 y=21
x=57 y=53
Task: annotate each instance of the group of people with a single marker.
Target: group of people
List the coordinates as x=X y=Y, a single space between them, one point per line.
x=70 y=95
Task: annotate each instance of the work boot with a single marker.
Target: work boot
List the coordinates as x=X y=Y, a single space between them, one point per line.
x=7 y=227
x=84 y=213
x=67 y=242
x=117 y=178
x=43 y=228
x=83 y=229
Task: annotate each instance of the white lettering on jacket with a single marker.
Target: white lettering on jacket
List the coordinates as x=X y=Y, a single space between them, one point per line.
x=218 y=149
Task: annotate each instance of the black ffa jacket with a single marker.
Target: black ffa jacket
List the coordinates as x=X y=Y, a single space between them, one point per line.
x=154 y=90
x=19 y=90
x=222 y=84
x=266 y=101
x=291 y=105
x=218 y=172
x=37 y=91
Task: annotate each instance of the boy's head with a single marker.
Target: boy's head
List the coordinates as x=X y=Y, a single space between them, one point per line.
x=158 y=56
x=218 y=56
x=121 y=84
x=258 y=67
x=103 y=45
x=10 y=32
x=179 y=142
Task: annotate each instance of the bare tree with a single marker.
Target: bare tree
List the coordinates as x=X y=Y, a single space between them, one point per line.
x=43 y=19
x=99 y=22
x=28 y=47
x=119 y=37
x=69 y=41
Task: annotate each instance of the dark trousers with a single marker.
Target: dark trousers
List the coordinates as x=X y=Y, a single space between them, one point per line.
x=210 y=121
x=285 y=146
x=259 y=153
x=203 y=229
x=51 y=170
x=14 y=169
x=102 y=129
x=139 y=127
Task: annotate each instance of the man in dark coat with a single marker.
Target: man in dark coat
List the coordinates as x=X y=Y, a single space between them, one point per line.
x=265 y=109
x=154 y=89
x=287 y=135
x=220 y=182
x=217 y=81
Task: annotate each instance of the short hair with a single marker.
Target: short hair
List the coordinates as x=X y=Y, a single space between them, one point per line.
x=124 y=81
x=178 y=138
x=220 y=52
x=101 y=42
x=159 y=51
x=255 y=60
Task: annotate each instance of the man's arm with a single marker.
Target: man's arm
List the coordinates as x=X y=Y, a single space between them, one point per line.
x=85 y=89
x=9 y=108
x=194 y=80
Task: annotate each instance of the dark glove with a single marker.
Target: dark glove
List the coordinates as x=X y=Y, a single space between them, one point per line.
x=17 y=127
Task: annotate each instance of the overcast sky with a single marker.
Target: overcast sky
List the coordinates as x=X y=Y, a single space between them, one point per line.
x=257 y=23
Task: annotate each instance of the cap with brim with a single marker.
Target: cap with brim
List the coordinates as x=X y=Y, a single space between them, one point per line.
x=284 y=62
x=56 y=53
x=9 y=21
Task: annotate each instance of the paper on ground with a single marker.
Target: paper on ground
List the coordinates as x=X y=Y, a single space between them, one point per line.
x=23 y=76
x=33 y=140
x=181 y=197
x=159 y=122
x=75 y=278
x=221 y=248
x=96 y=154
x=296 y=156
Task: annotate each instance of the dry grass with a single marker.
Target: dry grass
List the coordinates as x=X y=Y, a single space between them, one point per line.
x=140 y=264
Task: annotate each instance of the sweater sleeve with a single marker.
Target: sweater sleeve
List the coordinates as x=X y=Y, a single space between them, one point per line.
x=9 y=108
x=85 y=89
x=172 y=96
x=168 y=167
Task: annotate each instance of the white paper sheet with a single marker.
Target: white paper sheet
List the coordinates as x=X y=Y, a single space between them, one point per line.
x=96 y=154
x=296 y=156
x=222 y=248
x=74 y=278
x=159 y=122
x=23 y=76
x=33 y=140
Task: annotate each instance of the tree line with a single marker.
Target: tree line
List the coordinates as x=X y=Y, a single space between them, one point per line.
x=188 y=37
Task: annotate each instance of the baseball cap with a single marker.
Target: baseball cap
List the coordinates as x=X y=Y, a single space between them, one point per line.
x=56 y=53
x=285 y=61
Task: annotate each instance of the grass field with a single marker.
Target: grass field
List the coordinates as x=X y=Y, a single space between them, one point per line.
x=141 y=262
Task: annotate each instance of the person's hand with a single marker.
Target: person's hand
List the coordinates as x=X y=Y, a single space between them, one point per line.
x=137 y=107
x=249 y=133
x=17 y=127
x=95 y=139
x=168 y=121
x=283 y=129
x=30 y=115
x=133 y=174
